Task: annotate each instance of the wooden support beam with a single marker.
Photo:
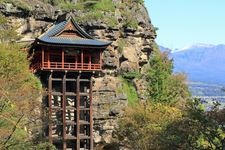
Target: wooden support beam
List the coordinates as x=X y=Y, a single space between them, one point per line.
x=91 y=113
x=50 y=107
x=42 y=57
x=63 y=57
x=76 y=57
x=82 y=59
x=48 y=59
x=64 y=110
x=89 y=66
x=78 y=113
x=100 y=57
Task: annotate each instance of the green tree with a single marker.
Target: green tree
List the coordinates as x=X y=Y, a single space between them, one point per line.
x=20 y=103
x=19 y=90
x=164 y=86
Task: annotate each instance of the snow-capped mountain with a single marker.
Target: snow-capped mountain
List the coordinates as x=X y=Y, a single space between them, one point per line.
x=197 y=46
x=201 y=62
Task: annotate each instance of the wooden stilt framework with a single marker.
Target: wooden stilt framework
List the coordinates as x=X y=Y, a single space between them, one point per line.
x=70 y=110
x=65 y=56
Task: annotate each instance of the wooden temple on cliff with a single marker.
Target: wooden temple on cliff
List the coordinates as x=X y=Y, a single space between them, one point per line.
x=66 y=57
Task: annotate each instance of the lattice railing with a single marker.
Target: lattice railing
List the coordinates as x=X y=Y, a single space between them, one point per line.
x=66 y=66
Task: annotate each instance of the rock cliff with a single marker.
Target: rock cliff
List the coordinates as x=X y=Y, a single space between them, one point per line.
x=129 y=28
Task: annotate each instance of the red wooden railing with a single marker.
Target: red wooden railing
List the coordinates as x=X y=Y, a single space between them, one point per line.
x=65 y=66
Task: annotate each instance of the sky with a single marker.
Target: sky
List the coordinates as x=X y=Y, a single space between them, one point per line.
x=186 y=22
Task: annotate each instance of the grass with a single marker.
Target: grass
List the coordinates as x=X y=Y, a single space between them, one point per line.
x=90 y=6
x=93 y=10
x=129 y=21
x=67 y=6
x=19 y=4
x=95 y=15
x=131 y=75
x=139 y=1
x=111 y=21
x=121 y=44
x=105 y=5
x=3 y=20
x=129 y=90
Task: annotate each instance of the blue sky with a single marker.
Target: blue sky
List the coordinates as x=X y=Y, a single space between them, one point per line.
x=186 y=22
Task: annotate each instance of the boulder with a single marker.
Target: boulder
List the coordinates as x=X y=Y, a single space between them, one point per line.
x=130 y=54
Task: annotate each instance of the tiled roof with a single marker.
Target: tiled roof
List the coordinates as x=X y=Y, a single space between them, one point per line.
x=50 y=37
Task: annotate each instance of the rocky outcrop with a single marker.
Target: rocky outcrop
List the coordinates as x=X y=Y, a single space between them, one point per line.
x=108 y=106
x=129 y=51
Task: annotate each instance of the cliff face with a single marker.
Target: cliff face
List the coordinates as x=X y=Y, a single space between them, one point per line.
x=132 y=36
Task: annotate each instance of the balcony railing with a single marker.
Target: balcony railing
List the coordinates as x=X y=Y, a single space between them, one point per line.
x=65 y=66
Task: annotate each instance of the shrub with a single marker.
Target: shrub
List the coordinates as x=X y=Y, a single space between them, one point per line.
x=159 y=126
x=129 y=20
x=131 y=75
x=197 y=129
x=7 y=33
x=143 y=124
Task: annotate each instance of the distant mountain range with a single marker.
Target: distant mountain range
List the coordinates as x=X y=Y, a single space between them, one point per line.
x=201 y=62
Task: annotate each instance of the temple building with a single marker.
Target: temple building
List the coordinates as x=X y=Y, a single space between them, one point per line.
x=66 y=57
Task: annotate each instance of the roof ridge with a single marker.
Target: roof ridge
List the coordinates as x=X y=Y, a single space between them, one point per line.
x=52 y=34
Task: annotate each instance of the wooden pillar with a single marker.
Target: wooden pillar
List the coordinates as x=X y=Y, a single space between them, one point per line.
x=91 y=113
x=89 y=62
x=78 y=112
x=42 y=57
x=82 y=59
x=64 y=110
x=100 y=57
x=50 y=107
x=76 y=61
x=48 y=59
x=63 y=58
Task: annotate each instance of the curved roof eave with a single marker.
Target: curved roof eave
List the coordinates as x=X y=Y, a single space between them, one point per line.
x=81 y=45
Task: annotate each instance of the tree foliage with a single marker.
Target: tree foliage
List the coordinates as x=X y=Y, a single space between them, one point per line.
x=164 y=86
x=159 y=126
x=19 y=105
x=143 y=124
x=198 y=129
